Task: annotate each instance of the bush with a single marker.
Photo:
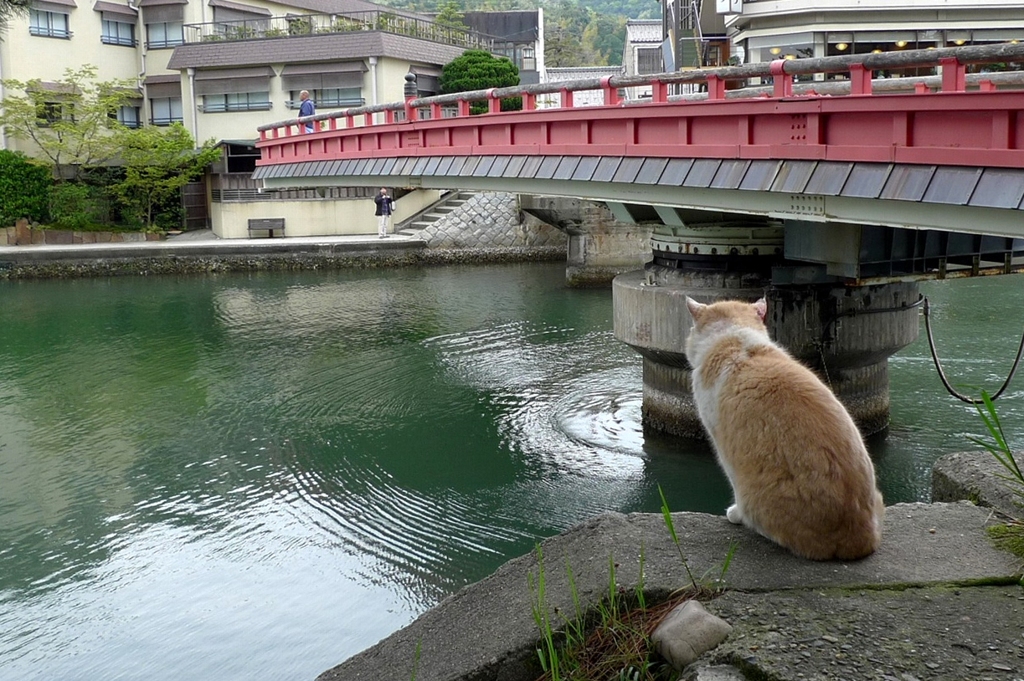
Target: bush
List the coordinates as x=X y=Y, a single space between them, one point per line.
x=479 y=70
x=24 y=188
x=76 y=206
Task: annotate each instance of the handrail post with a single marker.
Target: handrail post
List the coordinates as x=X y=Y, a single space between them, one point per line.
x=716 y=87
x=954 y=75
x=659 y=92
x=410 y=92
x=782 y=81
x=860 y=80
x=435 y=111
x=463 y=107
x=611 y=95
x=389 y=115
x=493 y=103
x=529 y=101
x=566 y=98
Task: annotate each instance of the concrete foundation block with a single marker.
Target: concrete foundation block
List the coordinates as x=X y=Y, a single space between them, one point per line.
x=22 y=233
x=58 y=237
x=975 y=477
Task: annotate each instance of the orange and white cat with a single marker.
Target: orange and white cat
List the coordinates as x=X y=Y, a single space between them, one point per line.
x=799 y=470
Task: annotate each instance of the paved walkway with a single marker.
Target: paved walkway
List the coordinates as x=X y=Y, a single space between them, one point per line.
x=204 y=242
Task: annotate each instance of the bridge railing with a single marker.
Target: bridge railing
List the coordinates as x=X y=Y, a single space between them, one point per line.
x=951 y=62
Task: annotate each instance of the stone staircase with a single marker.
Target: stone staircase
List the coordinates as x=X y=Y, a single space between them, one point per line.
x=448 y=203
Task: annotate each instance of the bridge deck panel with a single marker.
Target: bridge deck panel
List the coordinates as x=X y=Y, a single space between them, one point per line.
x=952 y=186
x=998 y=188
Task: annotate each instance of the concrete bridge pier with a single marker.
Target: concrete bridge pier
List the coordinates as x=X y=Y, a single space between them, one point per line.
x=845 y=333
x=600 y=246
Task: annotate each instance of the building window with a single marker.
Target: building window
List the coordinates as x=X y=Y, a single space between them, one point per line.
x=118 y=33
x=166 y=110
x=330 y=97
x=648 y=60
x=529 y=59
x=49 y=24
x=236 y=101
x=165 y=34
x=49 y=113
x=128 y=116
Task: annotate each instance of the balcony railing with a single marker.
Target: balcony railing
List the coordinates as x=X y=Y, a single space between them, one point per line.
x=319 y=24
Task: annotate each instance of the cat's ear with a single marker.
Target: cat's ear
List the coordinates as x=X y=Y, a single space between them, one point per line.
x=694 y=307
x=761 y=308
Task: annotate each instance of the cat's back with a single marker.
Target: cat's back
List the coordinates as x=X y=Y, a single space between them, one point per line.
x=796 y=460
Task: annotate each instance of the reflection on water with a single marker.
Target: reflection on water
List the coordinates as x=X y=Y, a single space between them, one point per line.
x=257 y=476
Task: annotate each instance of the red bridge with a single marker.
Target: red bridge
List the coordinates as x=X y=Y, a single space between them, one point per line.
x=928 y=153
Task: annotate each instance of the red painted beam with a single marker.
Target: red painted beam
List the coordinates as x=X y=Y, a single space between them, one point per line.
x=948 y=128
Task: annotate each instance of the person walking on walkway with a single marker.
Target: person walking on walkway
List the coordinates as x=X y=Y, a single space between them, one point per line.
x=306 y=108
x=385 y=206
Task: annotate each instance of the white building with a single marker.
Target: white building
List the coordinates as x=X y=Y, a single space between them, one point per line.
x=224 y=67
x=576 y=73
x=773 y=29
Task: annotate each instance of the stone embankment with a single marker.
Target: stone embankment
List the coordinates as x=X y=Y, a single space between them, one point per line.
x=938 y=600
x=248 y=255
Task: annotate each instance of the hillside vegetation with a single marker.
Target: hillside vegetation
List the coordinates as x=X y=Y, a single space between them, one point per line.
x=590 y=33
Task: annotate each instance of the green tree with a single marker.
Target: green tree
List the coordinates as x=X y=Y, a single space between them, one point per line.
x=450 y=14
x=480 y=70
x=158 y=162
x=604 y=38
x=565 y=23
x=10 y=9
x=24 y=188
x=69 y=122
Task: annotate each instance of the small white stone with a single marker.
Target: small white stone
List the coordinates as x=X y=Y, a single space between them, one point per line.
x=688 y=632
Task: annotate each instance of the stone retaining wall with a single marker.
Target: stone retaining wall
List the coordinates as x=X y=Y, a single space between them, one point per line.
x=23 y=234
x=340 y=257
x=491 y=220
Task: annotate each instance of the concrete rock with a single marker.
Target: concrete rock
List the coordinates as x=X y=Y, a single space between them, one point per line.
x=974 y=476
x=688 y=632
x=486 y=630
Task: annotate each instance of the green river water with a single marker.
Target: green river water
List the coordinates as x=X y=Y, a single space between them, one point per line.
x=256 y=476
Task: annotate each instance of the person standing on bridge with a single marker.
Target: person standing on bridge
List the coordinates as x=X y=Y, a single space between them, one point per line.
x=306 y=108
x=385 y=206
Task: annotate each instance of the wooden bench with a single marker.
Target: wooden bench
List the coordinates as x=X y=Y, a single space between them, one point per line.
x=269 y=225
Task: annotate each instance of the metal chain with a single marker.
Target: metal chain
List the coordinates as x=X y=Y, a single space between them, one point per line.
x=942 y=375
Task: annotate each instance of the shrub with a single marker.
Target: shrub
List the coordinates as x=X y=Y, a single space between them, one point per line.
x=480 y=70
x=75 y=206
x=24 y=188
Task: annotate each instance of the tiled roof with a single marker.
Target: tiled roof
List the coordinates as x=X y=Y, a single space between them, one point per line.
x=313 y=48
x=644 y=31
x=583 y=72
